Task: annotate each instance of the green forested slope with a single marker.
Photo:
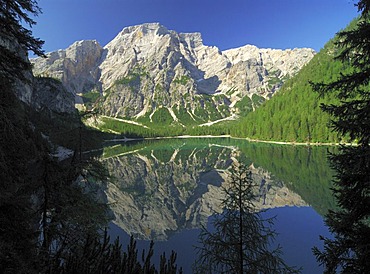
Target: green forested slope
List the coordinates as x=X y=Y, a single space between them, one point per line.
x=294 y=113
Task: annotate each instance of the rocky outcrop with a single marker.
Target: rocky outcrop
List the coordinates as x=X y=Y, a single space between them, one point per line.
x=21 y=87
x=265 y=69
x=41 y=93
x=76 y=67
x=50 y=94
x=147 y=67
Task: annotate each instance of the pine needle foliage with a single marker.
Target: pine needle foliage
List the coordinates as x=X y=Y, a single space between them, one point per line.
x=98 y=255
x=15 y=37
x=241 y=241
x=349 y=250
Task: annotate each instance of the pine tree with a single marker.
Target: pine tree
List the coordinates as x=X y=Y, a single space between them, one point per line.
x=241 y=240
x=18 y=150
x=16 y=38
x=20 y=146
x=349 y=250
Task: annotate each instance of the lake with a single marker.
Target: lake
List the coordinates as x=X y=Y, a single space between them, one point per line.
x=166 y=190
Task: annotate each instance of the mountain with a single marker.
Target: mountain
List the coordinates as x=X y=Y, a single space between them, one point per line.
x=76 y=67
x=294 y=114
x=151 y=74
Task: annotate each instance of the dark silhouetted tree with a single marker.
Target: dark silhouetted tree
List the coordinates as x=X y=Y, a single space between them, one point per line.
x=100 y=255
x=15 y=38
x=18 y=148
x=241 y=240
x=349 y=249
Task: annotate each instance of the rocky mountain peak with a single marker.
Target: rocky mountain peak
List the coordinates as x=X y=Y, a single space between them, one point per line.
x=193 y=40
x=85 y=51
x=288 y=61
x=147 y=67
x=145 y=29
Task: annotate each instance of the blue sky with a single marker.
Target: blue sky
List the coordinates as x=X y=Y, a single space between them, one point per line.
x=223 y=23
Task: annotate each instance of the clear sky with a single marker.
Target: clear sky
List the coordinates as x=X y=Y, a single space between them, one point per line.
x=223 y=23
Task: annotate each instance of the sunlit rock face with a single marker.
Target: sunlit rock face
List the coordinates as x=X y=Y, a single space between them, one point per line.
x=263 y=71
x=41 y=93
x=77 y=67
x=147 y=67
x=156 y=193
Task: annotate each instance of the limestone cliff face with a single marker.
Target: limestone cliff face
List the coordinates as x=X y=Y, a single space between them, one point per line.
x=76 y=67
x=263 y=71
x=38 y=92
x=22 y=88
x=148 y=67
x=50 y=94
x=155 y=193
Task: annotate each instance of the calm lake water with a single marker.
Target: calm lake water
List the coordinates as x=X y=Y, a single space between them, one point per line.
x=166 y=190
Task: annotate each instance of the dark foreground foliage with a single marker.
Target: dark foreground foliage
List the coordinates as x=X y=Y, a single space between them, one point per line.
x=349 y=250
x=50 y=211
x=102 y=256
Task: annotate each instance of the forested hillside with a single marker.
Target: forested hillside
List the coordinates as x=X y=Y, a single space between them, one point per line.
x=294 y=114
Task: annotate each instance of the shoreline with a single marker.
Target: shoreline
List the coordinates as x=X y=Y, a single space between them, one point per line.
x=125 y=139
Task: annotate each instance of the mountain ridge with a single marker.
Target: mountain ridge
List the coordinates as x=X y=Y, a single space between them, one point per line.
x=148 y=71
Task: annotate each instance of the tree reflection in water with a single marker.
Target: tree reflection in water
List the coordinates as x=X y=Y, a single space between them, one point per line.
x=241 y=239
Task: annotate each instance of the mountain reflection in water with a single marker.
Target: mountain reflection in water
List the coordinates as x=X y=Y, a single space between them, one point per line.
x=161 y=189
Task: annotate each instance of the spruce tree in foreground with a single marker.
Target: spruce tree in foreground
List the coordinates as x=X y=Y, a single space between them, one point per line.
x=349 y=250
x=19 y=146
x=15 y=15
x=241 y=239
